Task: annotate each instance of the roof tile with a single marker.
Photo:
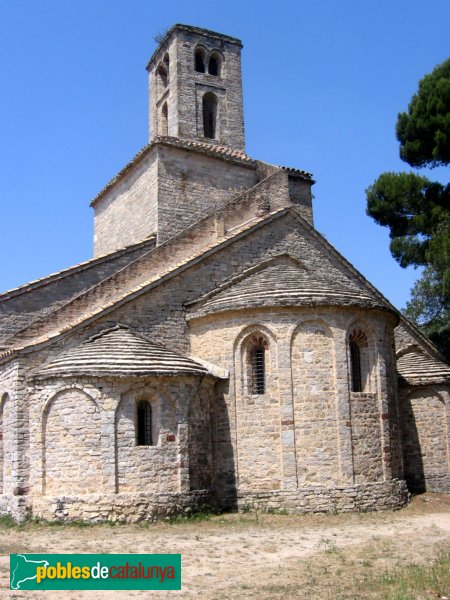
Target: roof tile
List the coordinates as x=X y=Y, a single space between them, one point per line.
x=120 y=352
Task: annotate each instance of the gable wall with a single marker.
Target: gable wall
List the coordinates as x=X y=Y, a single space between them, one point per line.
x=161 y=314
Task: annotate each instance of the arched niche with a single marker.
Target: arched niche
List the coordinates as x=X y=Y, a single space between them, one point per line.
x=72 y=459
x=258 y=435
x=146 y=467
x=314 y=403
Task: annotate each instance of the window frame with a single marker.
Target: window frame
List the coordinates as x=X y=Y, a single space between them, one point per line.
x=144 y=423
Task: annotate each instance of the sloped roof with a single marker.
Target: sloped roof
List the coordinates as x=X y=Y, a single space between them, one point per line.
x=120 y=352
x=164 y=262
x=418 y=367
x=284 y=281
x=146 y=244
x=214 y=150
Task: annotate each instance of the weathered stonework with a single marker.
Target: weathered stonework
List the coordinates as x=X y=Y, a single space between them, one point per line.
x=222 y=353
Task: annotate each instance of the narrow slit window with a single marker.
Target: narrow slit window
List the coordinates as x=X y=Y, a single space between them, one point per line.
x=258 y=374
x=144 y=424
x=355 y=360
x=209 y=115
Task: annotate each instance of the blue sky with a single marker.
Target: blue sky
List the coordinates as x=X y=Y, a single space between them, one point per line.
x=323 y=83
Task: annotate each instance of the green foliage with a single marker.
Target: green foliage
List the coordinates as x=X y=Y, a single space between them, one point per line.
x=424 y=131
x=417 y=210
x=429 y=308
x=201 y=515
x=160 y=36
x=277 y=511
x=7 y=522
x=413 y=207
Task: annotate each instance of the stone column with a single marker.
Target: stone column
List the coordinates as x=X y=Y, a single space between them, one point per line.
x=109 y=400
x=343 y=413
x=183 y=439
x=383 y=404
x=17 y=454
x=183 y=443
x=287 y=427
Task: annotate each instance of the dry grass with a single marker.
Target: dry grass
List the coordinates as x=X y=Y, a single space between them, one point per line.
x=390 y=555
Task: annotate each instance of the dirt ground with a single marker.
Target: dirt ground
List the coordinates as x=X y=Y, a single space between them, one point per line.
x=255 y=555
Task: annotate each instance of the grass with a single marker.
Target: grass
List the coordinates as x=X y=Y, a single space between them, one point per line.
x=252 y=559
x=199 y=516
x=7 y=522
x=341 y=575
x=328 y=546
x=410 y=582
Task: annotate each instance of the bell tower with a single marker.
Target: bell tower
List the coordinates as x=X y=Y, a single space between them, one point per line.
x=195 y=87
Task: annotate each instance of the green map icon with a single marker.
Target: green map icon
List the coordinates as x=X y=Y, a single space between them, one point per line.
x=23 y=569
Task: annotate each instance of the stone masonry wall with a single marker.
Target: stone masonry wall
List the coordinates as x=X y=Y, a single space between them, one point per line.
x=311 y=419
x=200 y=450
x=147 y=468
x=160 y=314
x=120 y=508
x=71 y=435
x=425 y=421
x=314 y=390
x=192 y=185
x=385 y=495
x=257 y=416
x=192 y=243
x=393 y=454
x=160 y=94
x=300 y=194
x=84 y=444
x=366 y=437
x=228 y=87
x=127 y=212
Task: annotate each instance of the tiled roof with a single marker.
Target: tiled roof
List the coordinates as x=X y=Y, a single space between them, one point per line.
x=149 y=243
x=300 y=172
x=210 y=149
x=418 y=367
x=214 y=149
x=283 y=282
x=120 y=352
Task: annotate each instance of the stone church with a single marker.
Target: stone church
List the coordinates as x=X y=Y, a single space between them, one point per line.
x=216 y=350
